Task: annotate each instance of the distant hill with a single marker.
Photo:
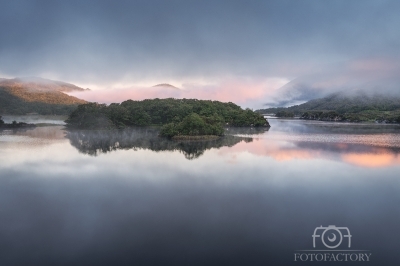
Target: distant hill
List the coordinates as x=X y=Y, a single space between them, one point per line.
x=37 y=95
x=166 y=85
x=342 y=106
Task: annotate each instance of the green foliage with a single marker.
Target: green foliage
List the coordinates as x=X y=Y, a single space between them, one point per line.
x=169 y=130
x=363 y=116
x=1 y=121
x=198 y=115
x=90 y=115
x=193 y=125
x=374 y=115
x=283 y=113
x=327 y=116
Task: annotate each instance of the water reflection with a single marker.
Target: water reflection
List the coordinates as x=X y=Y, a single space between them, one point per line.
x=7 y=131
x=95 y=142
x=285 y=150
x=364 y=145
x=315 y=127
x=136 y=205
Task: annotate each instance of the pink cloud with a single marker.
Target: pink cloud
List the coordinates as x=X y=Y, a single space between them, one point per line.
x=249 y=93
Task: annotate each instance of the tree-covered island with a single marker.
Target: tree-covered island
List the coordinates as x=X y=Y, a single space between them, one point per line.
x=179 y=118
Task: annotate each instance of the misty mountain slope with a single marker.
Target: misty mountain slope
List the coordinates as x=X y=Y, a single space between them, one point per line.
x=346 y=106
x=37 y=95
x=344 y=102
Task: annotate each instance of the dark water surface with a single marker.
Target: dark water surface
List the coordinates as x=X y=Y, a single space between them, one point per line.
x=251 y=198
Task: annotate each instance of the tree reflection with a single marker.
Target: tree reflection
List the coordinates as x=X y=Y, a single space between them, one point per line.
x=95 y=142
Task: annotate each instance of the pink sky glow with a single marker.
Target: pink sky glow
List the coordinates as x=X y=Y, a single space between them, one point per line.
x=245 y=92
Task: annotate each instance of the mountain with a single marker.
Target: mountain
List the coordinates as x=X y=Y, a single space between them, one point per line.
x=166 y=85
x=37 y=95
x=354 y=106
x=368 y=75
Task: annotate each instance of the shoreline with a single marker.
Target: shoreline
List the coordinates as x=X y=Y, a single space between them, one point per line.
x=333 y=120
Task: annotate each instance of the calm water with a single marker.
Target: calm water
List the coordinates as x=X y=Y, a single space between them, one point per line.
x=251 y=198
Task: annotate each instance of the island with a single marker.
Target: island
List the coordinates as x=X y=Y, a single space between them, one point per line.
x=178 y=118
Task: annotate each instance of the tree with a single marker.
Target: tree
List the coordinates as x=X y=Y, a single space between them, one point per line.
x=284 y=114
x=193 y=125
x=169 y=130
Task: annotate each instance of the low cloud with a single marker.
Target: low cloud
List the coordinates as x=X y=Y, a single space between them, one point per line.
x=243 y=91
x=367 y=75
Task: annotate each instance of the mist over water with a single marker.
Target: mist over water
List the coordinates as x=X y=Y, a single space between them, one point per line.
x=251 y=199
x=36 y=119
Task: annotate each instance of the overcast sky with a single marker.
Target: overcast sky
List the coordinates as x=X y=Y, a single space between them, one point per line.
x=258 y=45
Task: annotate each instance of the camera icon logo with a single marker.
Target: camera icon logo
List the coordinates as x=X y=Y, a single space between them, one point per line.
x=331 y=236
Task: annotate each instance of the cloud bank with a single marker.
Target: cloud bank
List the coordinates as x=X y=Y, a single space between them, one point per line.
x=131 y=43
x=369 y=75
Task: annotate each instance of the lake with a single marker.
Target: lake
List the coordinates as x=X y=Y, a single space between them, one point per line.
x=254 y=197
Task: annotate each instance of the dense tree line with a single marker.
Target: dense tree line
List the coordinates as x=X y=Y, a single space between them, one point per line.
x=14 y=125
x=284 y=113
x=364 y=116
x=180 y=116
